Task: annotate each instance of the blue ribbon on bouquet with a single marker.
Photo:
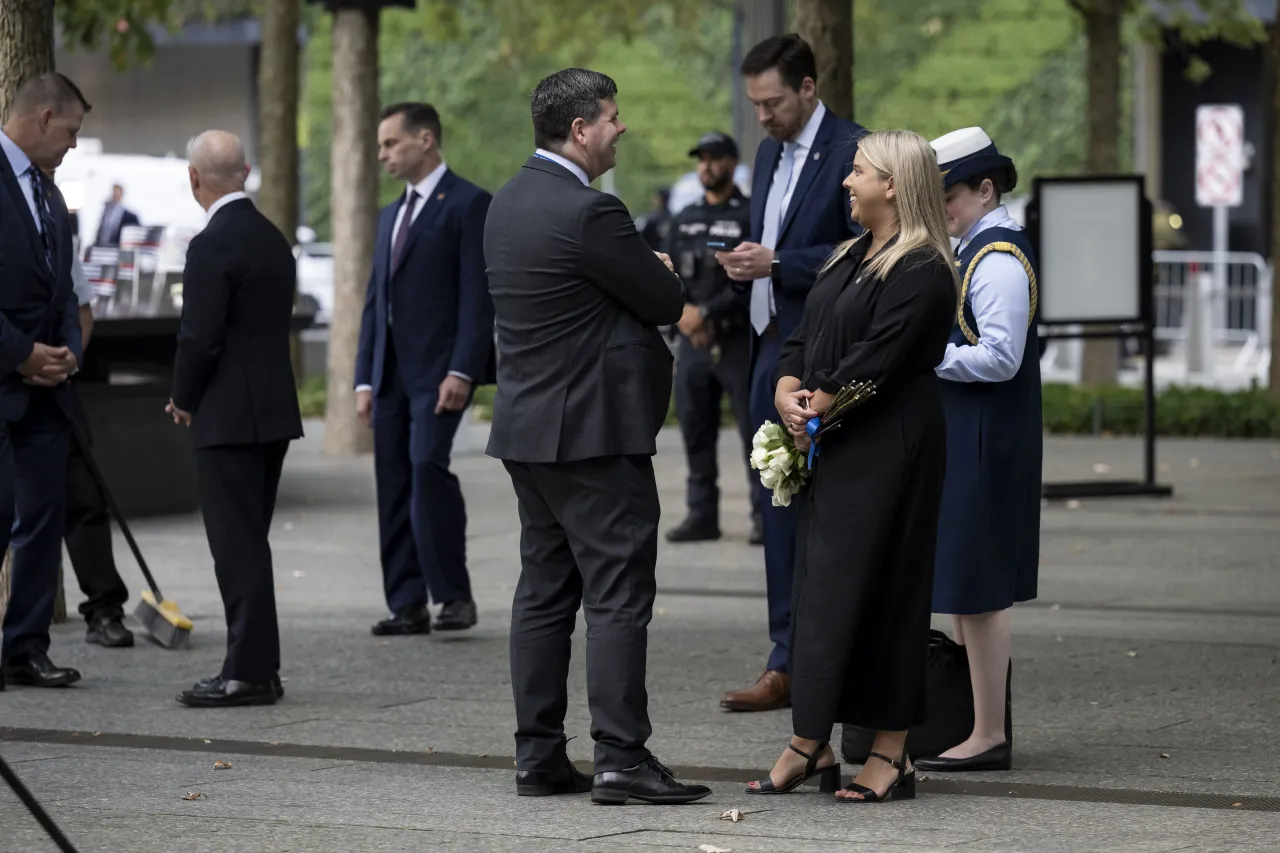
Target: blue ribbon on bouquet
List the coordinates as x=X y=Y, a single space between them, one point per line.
x=811 y=429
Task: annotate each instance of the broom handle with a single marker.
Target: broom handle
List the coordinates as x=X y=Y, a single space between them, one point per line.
x=115 y=510
x=35 y=808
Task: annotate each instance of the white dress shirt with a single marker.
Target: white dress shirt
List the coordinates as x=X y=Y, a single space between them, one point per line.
x=564 y=161
x=1000 y=296
x=424 y=188
x=221 y=203
x=798 y=149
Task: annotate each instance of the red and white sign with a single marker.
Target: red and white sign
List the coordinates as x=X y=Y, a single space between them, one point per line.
x=1220 y=155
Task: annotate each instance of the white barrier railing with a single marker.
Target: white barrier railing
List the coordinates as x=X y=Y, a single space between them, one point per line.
x=1208 y=309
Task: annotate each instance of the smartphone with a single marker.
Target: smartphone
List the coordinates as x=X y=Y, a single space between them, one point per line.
x=723 y=245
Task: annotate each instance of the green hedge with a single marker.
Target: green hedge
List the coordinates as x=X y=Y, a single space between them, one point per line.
x=1068 y=410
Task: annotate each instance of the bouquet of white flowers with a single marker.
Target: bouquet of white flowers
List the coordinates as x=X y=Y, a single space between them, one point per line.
x=782 y=467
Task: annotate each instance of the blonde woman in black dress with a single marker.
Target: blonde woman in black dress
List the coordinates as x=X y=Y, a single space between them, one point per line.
x=880 y=312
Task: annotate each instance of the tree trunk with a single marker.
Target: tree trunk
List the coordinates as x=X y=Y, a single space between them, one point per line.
x=827 y=25
x=278 y=120
x=1273 y=383
x=26 y=45
x=26 y=48
x=354 y=216
x=1102 y=19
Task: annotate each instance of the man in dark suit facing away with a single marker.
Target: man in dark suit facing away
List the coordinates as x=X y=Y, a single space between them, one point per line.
x=426 y=341
x=233 y=386
x=584 y=381
x=40 y=348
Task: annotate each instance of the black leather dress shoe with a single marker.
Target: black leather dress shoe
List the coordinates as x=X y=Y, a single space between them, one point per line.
x=456 y=616
x=36 y=670
x=228 y=693
x=416 y=620
x=544 y=783
x=206 y=683
x=109 y=631
x=649 y=781
x=694 y=529
x=999 y=757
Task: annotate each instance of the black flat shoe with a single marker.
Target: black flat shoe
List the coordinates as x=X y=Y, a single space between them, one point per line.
x=36 y=670
x=649 y=781
x=228 y=693
x=456 y=616
x=902 y=788
x=206 y=683
x=109 y=631
x=565 y=779
x=998 y=757
x=828 y=784
x=694 y=530
x=415 y=620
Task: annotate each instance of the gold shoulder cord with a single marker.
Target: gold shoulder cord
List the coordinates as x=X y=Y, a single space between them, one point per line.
x=1011 y=249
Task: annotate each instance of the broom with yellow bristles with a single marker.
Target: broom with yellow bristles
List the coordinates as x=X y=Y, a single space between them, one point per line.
x=161 y=617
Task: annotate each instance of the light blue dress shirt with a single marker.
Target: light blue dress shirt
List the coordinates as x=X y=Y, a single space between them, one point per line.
x=21 y=165
x=1000 y=296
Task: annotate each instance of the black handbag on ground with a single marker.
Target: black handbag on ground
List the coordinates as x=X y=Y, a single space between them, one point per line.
x=949 y=697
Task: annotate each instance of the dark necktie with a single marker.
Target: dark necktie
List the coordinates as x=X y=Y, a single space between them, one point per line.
x=39 y=196
x=402 y=234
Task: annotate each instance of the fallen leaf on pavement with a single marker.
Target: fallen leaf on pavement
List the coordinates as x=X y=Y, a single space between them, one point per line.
x=195 y=796
x=1164 y=755
x=734 y=815
x=1236 y=805
x=1132 y=654
x=222 y=765
x=711 y=848
x=206 y=740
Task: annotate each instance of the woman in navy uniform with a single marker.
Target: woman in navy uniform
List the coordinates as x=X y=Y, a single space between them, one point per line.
x=989 y=528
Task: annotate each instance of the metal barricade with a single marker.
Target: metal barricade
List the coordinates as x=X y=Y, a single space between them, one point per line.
x=1210 y=312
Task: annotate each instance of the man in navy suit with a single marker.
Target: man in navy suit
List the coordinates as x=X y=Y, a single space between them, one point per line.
x=799 y=214
x=426 y=340
x=40 y=348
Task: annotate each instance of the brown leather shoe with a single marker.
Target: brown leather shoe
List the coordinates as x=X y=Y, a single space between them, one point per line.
x=771 y=691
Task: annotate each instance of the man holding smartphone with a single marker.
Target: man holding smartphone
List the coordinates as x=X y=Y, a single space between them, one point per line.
x=714 y=353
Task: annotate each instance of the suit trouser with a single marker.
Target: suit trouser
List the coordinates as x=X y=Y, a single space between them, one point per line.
x=422 y=518
x=589 y=536
x=87 y=530
x=779 y=521
x=33 y=470
x=701 y=381
x=238 y=485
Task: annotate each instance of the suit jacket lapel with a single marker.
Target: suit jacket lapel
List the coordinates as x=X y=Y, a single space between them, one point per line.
x=812 y=165
x=426 y=217
x=760 y=184
x=24 y=213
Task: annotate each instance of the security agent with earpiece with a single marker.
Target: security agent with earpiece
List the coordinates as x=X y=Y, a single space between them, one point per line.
x=714 y=351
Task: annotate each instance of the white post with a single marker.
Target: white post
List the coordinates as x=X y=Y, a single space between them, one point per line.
x=1220 y=240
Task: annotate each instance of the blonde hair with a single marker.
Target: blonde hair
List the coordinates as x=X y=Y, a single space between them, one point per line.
x=919 y=202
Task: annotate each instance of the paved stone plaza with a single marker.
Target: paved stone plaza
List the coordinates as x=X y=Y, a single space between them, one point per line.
x=1146 y=690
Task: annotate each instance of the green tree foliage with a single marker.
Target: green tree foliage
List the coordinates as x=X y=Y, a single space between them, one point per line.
x=671 y=66
x=123 y=26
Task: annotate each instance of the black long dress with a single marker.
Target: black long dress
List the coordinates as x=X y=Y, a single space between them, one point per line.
x=868 y=522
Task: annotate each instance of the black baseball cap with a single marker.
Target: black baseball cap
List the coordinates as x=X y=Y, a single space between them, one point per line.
x=716 y=144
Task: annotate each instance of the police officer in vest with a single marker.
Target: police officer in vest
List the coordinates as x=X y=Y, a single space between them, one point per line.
x=989 y=528
x=714 y=352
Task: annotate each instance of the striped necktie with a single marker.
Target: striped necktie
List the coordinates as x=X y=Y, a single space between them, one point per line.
x=39 y=195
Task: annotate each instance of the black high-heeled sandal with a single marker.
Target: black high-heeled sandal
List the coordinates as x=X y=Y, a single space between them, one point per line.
x=902 y=788
x=829 y=782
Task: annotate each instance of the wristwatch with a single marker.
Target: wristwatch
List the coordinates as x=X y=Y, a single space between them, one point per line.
x=775 y=272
